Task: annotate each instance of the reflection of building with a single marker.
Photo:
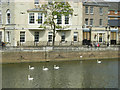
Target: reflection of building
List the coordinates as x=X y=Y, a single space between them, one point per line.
x=20 y=24
x=94 y=22
x=114 y=21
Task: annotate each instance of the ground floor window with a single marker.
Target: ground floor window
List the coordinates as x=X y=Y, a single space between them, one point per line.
x=36 y=37
x=0 y=36
x=75 y=36
x=50 y=35
x=62 y=36
x=86 y=35
x=100 y=37
x=22 y=36
x=8 y=36
x=113 y=35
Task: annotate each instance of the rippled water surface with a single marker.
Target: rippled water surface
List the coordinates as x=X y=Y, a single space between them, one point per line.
x=72 y=74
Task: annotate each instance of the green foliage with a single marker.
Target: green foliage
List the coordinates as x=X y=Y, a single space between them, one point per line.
x=54 y=9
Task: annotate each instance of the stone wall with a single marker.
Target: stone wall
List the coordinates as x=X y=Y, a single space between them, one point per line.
x=17 y=57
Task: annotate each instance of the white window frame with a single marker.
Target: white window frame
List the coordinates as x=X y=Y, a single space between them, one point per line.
x=40 y=16
x=22 y=37
x=32 y=17
x=91 y=22
x=8 y=17
x=62 y=36
x=67 y=19
x=36 y=2
x=59 y=20
x=86 y=22
x=50 y=36
x=36 y=36
x=8 y=36
x=91 y=10
x=75 y=37
x=101 y=22
x=101 y=10
x=86 y=10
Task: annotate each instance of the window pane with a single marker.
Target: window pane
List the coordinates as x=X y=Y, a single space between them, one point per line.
x=91 y=10
x=86 y=10
x=36 y=2
x=62 y=36
x=100 y=21
x=67 y=19
x=101 y=10
x=40 y=18
x=59 y=19
x=22 y=36
x=36 y=37
x=75 y=36
x=8 y=18
x=91 y=21
x=50 y=36
x=31 y=18
x=86 y=21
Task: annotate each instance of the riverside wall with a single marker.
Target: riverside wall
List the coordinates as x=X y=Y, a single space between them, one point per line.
x=53 y=55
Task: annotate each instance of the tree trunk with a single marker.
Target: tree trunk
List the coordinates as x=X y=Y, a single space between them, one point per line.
x=53 y=43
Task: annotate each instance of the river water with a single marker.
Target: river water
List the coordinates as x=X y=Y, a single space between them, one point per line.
x=71 y=74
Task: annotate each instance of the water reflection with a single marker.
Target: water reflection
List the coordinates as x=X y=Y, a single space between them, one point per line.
x=72 y=74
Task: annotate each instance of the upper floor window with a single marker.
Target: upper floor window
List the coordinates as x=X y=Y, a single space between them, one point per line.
x=0 y=17
x=91 y=10
x=86 y=9
x=40 y=18
x=31 y=18
x=91 y=21
x=8 y=17
x=8 y=1
x=116 y=11
x=101 y=10
x=67 y=19
x=100 y=22
x=86 y=21
x=36 y=1
x=59 y=19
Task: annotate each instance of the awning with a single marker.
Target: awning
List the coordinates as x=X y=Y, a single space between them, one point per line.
x=86 y=29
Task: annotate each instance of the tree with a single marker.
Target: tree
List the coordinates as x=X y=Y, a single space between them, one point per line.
x=53 y=11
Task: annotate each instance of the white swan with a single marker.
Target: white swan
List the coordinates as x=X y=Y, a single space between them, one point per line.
x=31 y=68
x=98 y=61
x=81 y=56
x=56 y=67
x=30 y=78
x=45 y=69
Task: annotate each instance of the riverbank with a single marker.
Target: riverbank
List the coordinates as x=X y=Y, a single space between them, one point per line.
x=58 y=55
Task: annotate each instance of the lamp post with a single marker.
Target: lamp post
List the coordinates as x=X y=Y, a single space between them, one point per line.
x=108 y=36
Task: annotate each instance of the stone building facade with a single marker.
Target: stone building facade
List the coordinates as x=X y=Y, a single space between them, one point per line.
x=20 y=26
